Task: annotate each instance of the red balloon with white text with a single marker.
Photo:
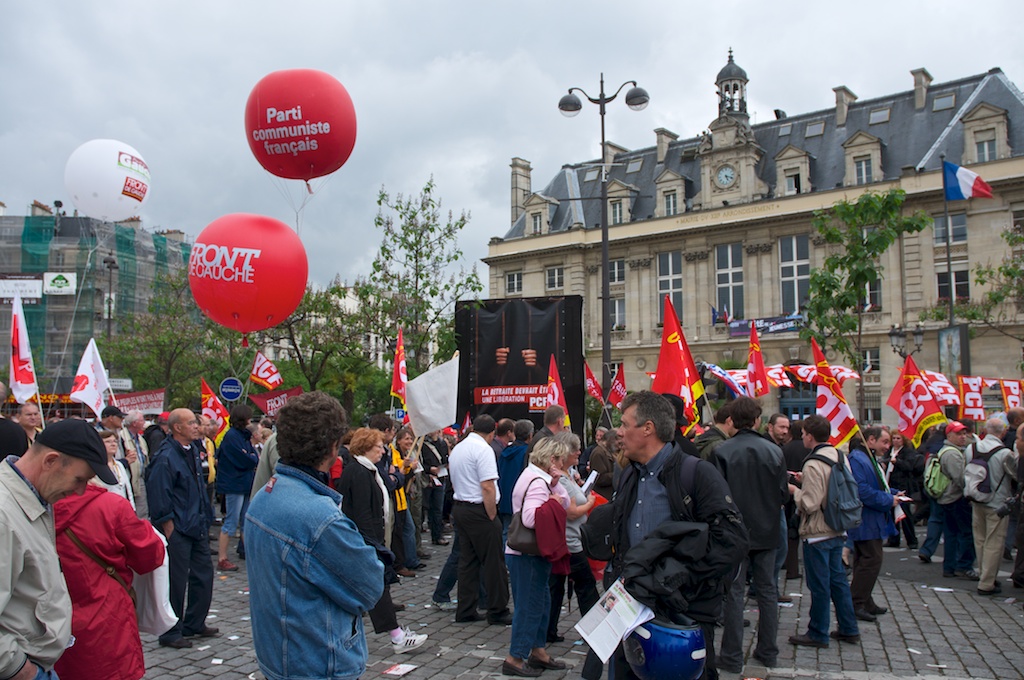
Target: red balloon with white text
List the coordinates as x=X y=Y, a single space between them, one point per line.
x=248 y=272
x=300 y=123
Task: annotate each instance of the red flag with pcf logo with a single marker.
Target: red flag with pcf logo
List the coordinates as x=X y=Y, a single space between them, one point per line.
x=915 y=404
x=677 y=373
x=555 y=393
x=757 y=376
x=264 y=373
x=972 y=403
x=592 y=383
x=618 y=388
x=399 y=377
x=1011 y=393
x=214 y=409
x=831 y=403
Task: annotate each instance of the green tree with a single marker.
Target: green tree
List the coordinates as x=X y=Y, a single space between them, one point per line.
x=414 y=284
x=857 y=233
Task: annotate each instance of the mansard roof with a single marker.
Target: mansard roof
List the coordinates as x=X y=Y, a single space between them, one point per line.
x=910 y=138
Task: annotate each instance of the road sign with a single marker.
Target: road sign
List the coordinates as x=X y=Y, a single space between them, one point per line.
x=124 y=384
x=399 y=414
x=230 y=389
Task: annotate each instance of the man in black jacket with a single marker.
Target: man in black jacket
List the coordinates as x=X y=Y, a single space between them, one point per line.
x=753 y=464
x=652 y=491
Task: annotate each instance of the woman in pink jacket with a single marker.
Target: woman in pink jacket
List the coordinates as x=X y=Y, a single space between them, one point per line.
x=528 y=574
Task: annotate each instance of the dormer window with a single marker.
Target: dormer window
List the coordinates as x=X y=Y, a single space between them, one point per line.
x=538 y=223
x=634 y=165
x=591 y=175
x=944 y=101
x=815 y=129
x=878 y=116
x=785 y=129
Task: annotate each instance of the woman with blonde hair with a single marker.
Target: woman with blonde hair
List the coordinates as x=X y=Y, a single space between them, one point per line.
x=529 y=574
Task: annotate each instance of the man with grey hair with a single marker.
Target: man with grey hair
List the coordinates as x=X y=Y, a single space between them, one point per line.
x=989 y=528
x=136 y=454
x=664 y=487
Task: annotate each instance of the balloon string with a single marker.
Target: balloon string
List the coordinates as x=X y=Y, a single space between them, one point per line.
x=245 y=341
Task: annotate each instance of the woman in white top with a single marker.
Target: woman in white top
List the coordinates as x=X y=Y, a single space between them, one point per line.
x=123 y=487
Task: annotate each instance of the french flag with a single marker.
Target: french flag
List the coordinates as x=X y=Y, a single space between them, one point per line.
x=961 y=183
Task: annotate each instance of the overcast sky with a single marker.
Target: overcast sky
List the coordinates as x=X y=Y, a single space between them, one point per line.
x=447 y=88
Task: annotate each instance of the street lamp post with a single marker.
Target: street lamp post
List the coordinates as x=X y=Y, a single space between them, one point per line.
x=898 y=339
x=570 y=105
x=111 y=264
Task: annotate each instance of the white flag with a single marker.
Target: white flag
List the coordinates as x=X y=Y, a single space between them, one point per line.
x=23 y=372
x=432 y=398
x=91 y=380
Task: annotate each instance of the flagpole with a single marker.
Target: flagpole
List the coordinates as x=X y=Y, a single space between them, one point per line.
x=949 y=240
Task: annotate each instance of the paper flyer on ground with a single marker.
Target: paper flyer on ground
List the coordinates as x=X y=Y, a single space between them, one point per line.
x=614 y=618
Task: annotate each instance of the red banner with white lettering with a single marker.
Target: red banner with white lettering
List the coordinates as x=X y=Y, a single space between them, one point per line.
x=271 y=402
x=264 y=373
x=1011 y=393
x=943 y=391
x=618 y=388
x=972 y=404
x=915 y=404
x=831 y=403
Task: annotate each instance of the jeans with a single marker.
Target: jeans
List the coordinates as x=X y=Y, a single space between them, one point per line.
x=782 y=550
x=528 y=577
x=234 y=519
x=958 y=536
x=936 y=522
x=433 y=502
x=761 y=564
x=826 y=579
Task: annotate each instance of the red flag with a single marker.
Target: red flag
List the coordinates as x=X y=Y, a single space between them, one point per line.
x=271 y=402
x=914 y=403
x=676 y=372
x=1011 y=393
x=592 y=383
x=943 y=391
x=618 y=388
x=214 y=409
x=466 y=424
x=23 y=373
x=399 y=377
x=757 y=376
x=972 y=406
x=264 y=373
x=831 y=403
x=555 y=393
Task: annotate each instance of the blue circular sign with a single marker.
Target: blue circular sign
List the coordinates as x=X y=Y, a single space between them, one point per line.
x=230 y=389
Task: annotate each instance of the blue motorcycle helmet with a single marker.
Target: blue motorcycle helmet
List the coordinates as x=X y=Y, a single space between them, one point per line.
x=664 y=649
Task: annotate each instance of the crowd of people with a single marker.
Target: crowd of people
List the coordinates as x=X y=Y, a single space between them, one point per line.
x=327 y=518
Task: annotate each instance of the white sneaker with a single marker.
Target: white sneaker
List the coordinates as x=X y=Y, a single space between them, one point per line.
x=446 y=606
x=409 y=642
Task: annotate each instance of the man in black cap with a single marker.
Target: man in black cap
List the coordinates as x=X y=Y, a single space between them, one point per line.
x=35 y=620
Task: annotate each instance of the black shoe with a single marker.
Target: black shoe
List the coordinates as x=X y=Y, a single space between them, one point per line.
x=555 y=637
x=207 y=631
x=790 y=577
x=399 y=607
x=180 y=643
x=765 y=662
x=875 y=610
x=995 y=591
x=525 y=671
x=551 y=664
x=892 y=544
x=843 y=637
x=420 y=566
x=746 y=623
x=807 y=641
x=442 y=541
x=864 y=615
x=1007 y=554
x=913 y=546
x=927 y=559
x=504 y=619
x=469 y=619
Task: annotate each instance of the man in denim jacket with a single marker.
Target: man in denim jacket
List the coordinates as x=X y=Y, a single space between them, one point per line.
x=311 y=575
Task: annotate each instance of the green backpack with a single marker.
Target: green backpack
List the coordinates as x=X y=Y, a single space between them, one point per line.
x=935 y=480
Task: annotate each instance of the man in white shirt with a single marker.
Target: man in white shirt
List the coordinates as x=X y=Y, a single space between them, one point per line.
x=474 y=476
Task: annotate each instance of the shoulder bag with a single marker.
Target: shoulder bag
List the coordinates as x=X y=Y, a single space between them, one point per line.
x=520 y=536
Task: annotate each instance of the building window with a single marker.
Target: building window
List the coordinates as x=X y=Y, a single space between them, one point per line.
x=878 y=116
x=985 y=145
x=513 y=283
x=537 y=222
x=616 y=271
x=794 y=272
x=670 y=282
x=792 y=182
x=729 y=271
x=961 y=281
x=591 y=175
x=943 y=102
x=959 y=221
x=785 y=129
x=634 y=165
x=618 y=313
x=862 y=165
x=872 y=300
x=671 y=207
x=814 y=129
x=872 y=360
x=616 y=212
x=555 y=278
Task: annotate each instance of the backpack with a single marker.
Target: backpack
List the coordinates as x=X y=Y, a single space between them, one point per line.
x=977 y=481
x=935 y=480
x=842 y=502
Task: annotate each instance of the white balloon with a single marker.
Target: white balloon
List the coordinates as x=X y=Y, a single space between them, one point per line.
x=107 y=179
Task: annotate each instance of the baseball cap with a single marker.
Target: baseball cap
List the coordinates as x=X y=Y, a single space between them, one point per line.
x=78 y=439
x=112 y=411
x=955 y=426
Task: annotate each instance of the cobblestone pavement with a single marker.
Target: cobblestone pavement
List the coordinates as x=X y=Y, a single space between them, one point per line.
x=929 y=633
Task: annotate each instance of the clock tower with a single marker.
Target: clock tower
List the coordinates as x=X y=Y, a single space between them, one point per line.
x=728 y=151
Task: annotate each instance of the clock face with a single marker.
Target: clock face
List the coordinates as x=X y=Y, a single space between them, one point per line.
x=726 y=175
